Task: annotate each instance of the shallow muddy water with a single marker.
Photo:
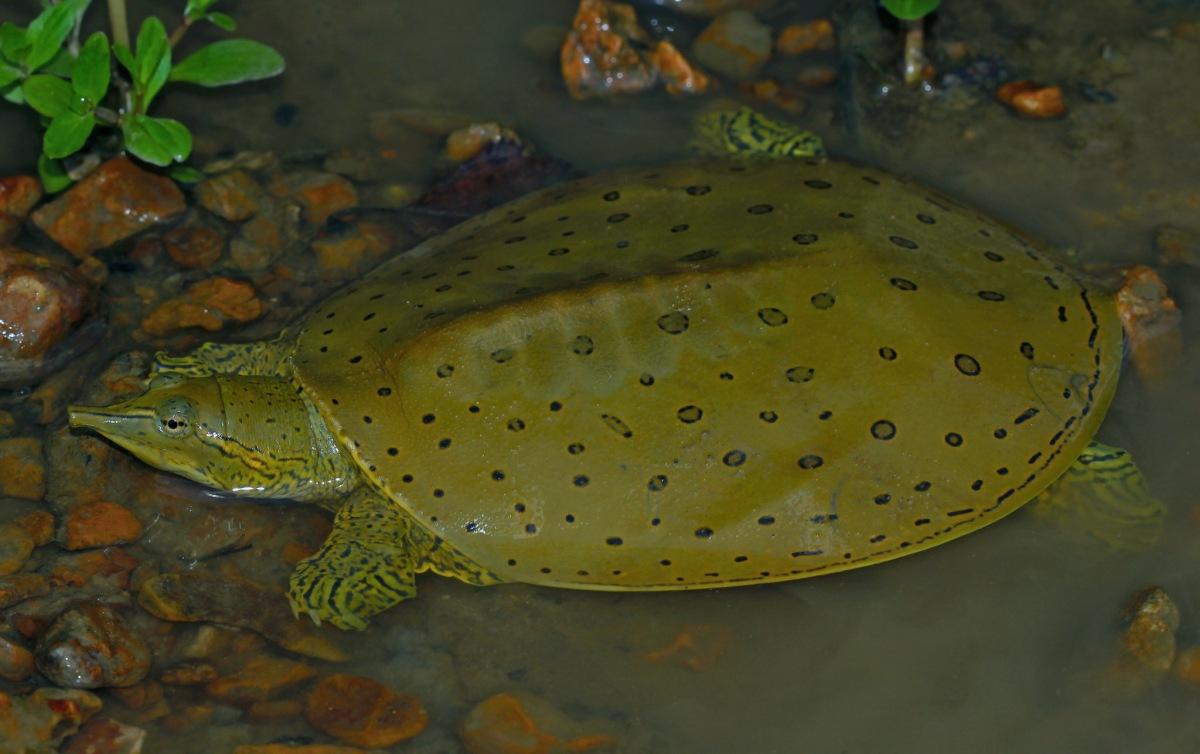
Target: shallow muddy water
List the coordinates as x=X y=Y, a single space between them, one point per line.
x=994 y=642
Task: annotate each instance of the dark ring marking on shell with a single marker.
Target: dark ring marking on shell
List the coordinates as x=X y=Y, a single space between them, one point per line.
x=810 y=461
x=444 y=443
x=582 y=345
x=428 y=419
x=580 y=480
x=954 y=439
x=760 y=209
x=924 y=218
x=704 y=532
x=770 y=417
x=993 y=256
x=556 y=406
x=679 y=228
x=445 y=370
x=575 y=448
x=1027 y=350
x=800 y=374
x=698 y=190
x=1026 y=415
x=902 y=242
x=887 y=353
x=923 y=486
x=514 y=239
x=614 y=541
x=498 y=475
x=804 y=239
x=903 y=284
x=967 y=364
x=699 y=256
x=646 y=379
x=766 y=520
x=612 y=196
x=991 y=296
x=393 y=451
x=383 y=392
x=474 y=409
x=559 y=251
x=823 y=300
x=689 y=414
x=501 y=355
x=817 y=183
x=657 y=483
x=734 y=458
x=883 y=499
x=616 y=425
x=618 y=217
x=673 y=323
x=515 y=425
x=825 y=415
x=772 y=317
x=883 y=430
x=1000 y=433
x=726 y=376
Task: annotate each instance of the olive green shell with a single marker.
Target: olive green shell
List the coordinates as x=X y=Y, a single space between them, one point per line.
x=713 y=374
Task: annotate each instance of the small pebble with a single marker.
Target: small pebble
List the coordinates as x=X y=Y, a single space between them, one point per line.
x=262 y=678
x=1031 y=99
x=98 y=524
x=16 y=545
x=188 y=674
x=36 y=723
x=798 y=39
x=90 y=647
x=194 y=248
x=364 y=712
x=16 y=662
x=233 y=196
x=521 y=724
x=735 y=44
x=104 y=735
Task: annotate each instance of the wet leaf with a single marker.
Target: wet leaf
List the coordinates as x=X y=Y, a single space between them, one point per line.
x=47 y=32
x=195 y=9
x=67 y=134
x=152 y=61
x=221 y=21
x=911 y=10
x=89 y=74
x=229 y=61
x=54 y=176
x=186 y=174
x=159 y=141
x=49 y=95
x=8 y=74
x=14 y=42
x=124 y=57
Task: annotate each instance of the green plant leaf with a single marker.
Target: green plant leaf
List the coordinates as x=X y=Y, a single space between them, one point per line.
x=67 y=134
x=221 y=21
x=158 y=141
x=89 y=74
x=196 y=9
x=14 y=43
x=911 y=10
x=60 y=64
x=49 y=95
x=8 y=74
x=152 y=61
x=54 y=177
x=47 y=33
x=230 y=61
x=186 y=174
x=124 y=56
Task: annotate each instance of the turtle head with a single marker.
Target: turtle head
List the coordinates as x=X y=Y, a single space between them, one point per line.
x=253 y=436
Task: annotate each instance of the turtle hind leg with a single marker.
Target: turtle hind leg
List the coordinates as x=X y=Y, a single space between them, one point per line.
x=438 y=555
x=365 y=566
x=1105 y=494
x=263 y=358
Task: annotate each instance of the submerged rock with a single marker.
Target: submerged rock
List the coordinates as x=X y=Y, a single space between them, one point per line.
x=36 y=723
x=18 y=195
x=735 y=44
x=524 y=724
x=233 y=196
x=22 y=470
x=90 y=647
x=98 y=524
x=262 y=678
x=103 y=735
x=209 y=304
x=710 y=7
x=364 y=712
x=114 y=202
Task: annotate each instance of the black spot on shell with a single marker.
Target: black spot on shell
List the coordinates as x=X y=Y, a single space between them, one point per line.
x=616 y=425
x=612 y=196
x=445 y=370
x=766 y=520
x=501 y=355
x=646 y=379
x=991 y=296
x=772 y=317
x=657 y=483
x=992 y=256
x=804 y=239
x=967 y=364
x=923 y=486
x=926 y=219
x=393 y=451
x=498 y=475
x=883 y=499
x=883 y=430
x=699 y=256
x=800 y=374
x=823 y=300
x=515 y=425
x=618 y=217
x=704 y=532
x=582 y=345
x=810 y=461
x=559 y=252
x=902 y=242
x=383 y=392
x=817 y=183
x=1062 y=314
x=760 y=209
x=679 y=228
x=888 y=354
x=355 y=359
x=689 y=414
x=428 y=419
x=514 y=239
x=1027 y=350
x=614 y=541
x=734 y=458
x=575 y=448
x=770 y=417
x=674 y=323
x=580 y=480
x=903 y=284
x=1000 y=433
x=698 y=190
x=555 y=406
x=954 y=439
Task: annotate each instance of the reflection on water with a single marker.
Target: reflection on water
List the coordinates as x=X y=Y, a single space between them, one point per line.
x=995 y=642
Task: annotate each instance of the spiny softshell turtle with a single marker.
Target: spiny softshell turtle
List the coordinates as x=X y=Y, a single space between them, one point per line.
x=703 y=375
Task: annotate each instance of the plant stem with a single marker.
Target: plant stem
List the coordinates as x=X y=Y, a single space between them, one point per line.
x=179 y=32
x=915 y=62
x=118 y=21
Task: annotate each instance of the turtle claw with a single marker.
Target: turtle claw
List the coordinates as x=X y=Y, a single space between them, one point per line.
x=347 y=583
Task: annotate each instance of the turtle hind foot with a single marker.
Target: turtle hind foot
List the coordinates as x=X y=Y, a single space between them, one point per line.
x=363 y=568
x=1105 y=495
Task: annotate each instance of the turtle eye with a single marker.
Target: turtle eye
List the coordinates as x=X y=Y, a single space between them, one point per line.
x=175 y=418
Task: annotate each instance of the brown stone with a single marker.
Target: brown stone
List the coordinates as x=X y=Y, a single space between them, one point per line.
x=735 y=44
x=39 y=524
x=678 y=75
x=18 y=195
x=798 y=39
x=600 y=54
x=22 y=473
x=91 y=646
x=275 y=709
x=16 y=662
x=114 y=202
x=99 y=524
x=140 y=696
x=320 y=194
x=8 y=424
x=525 y=724
x=103 y=735
x=194 y=248
x=260 y=679
x=189 y=674
x=234 y=196
x=189 y=717
x=37 y=722
x=1031 y=99
x=301 y=749
x=22 y=586
x=1151 y=320
x=112 y=564
x=41 y=302
x=364 y=712
x=353 y=247
x=209 y=304
x=16 y=545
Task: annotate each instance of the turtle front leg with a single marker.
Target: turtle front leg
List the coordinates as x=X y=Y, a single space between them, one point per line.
x=260 y=358
x=364 y=567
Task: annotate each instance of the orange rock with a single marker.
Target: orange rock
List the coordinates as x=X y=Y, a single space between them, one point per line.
x=103 y=735
x=22 y=586
x=115 y=201
x=18 y=195
x=188 y=674
x=209 y=304
x=320 y=194
x=302 y=749
x=1032 y=99
x=695 y=648
x=22 y=473
x=1151 y=319
x=364 y=712
x=189 y=717
x=99 y=524
x=1187 y=665
x=735 y=45
x=16 y=662
x=234 y=196
x=15 y=548
x=194 y=248
x=351 y=247
x=798 y=39
x=1146 y=650
x=814 y=76
x=39 y=524
x=464 y=143
x=680 y=76
x=112 y=564
x=141 y=696
x=512 y=724
x=276 y=709
x=598 y=56
x=39 y=721
x=260 y=679
x=769 y=90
